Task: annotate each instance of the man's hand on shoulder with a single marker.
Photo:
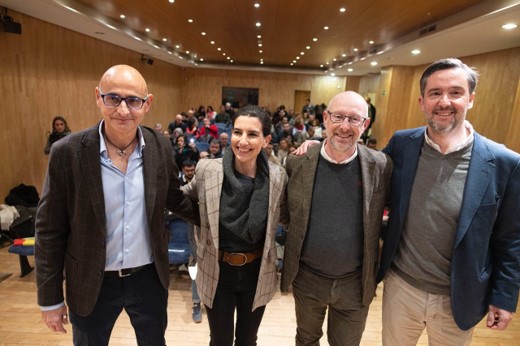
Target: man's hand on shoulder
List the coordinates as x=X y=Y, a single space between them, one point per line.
x=302 y=149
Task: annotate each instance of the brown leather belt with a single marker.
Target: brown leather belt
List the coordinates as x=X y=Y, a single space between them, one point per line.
x=239 y=258
x=124 y=272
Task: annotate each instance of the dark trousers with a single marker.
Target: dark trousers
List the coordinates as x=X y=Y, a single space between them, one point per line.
x=313 y=294
x=235 y=291
x=144 y=299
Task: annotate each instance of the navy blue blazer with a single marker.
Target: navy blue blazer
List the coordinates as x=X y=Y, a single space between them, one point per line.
x=485 y=266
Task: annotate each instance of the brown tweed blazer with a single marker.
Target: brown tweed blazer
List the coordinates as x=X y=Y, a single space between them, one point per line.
x=376 y=170
x=206 y=188
x=71 y=220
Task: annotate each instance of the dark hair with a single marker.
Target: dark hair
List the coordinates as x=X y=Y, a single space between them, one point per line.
x=188 y=163
x=59 y=117
x=446 y=64
x=256 y=112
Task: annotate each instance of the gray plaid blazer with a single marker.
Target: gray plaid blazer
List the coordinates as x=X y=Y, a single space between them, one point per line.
x=206 y=188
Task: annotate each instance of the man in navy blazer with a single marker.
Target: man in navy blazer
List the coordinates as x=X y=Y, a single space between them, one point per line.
x=452 y=246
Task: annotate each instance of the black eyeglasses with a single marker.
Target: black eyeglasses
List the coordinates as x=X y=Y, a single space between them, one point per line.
x=353 y=120
x=114 y=100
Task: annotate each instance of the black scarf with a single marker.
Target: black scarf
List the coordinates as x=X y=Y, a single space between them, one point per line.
x=244 y=209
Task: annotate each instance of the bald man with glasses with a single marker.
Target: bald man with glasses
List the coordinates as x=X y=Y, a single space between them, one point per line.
x=335 y=200
x=100 y=221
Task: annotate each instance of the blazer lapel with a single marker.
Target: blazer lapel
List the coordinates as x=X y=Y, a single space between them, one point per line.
x=310 y=165
x=367 y=177
x=88 y=156
x=411 y=150
x=479 y=176
x=150 y=168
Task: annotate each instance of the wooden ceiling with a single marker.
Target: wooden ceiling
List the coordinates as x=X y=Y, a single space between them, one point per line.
x=287 y=27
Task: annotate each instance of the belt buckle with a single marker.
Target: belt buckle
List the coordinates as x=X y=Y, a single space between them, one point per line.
x=121 y=275
x=240 y=254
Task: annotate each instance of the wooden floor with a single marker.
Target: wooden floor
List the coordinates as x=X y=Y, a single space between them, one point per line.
x=20 y=322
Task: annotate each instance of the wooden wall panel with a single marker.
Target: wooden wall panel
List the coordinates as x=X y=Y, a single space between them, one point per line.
x=204 y=86
x=49 y=71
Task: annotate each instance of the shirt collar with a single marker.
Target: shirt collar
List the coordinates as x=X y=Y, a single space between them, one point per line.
x=328 y=158
x=457 y=147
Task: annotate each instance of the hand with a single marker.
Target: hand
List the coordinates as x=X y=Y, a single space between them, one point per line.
x=55 y=319
x=302 y=149
x=498 y=318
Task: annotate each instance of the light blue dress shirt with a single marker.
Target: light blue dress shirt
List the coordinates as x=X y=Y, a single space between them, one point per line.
x=128 y=238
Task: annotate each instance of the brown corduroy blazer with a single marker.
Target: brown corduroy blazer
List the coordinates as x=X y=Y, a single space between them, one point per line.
x=71 y=220
x=206 y=188
x=376 y=170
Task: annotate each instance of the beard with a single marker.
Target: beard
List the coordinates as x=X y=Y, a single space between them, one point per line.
x=444 y=128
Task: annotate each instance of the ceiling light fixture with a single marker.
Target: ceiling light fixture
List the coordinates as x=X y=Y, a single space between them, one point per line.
x=370 y=42
x=416 y=52
x=164 y=39
x=171 y=1
x=177 y=46
x=343 y=9
x=315 y=39
x=258 y=24
x=122 y=16
x=308 y=47
x=257 y=5
x=203 y=33
x=147 y=29
x=350 y=69
x=259 y=36
x=219 y=49
x=373 y=63
x=509 y=26
x=325 y=28
x=190 y=20
x=212 y=42
x=302 y=53
x=355 y=49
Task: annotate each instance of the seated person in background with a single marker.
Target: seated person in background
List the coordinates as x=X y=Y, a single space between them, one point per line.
x=224 y=141
x=207 y=132
x=214 y=149
x=270 y=154
x=222 y=116
x=60 y=129
x=185 y=152
x=177 y=123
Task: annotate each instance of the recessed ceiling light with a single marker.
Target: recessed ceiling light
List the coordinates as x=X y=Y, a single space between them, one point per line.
x=259 y=45
x=294 y=61
x=261 y=62
x=373 y=63
x=201 y=59
x=355 y=49
x=203 y=33
x=315 y=39
x=147 y=29
x=325 y=28
x=302 y=53
x=297 y=58
x=177 y=46
x=187 y=52
x=259 y=36
x=122 y=16
x=260 y=51
x=171 y=1
x=333 y=75
x=219 y=49
x=308 y=47
x=343 y=9
x=321 y=65
x=212 y=42
x=170 y=52
x=370 y=42
x=229 y=58
x=343 y=55
x=156 y=46
x=190 y=20
x=223 y=54
x=258 y=24
x=231 y=61
x=350 y=69
x=416 y=52
x=334 y=59
x=509 y=26
x=257 y=5
x=165 y=39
